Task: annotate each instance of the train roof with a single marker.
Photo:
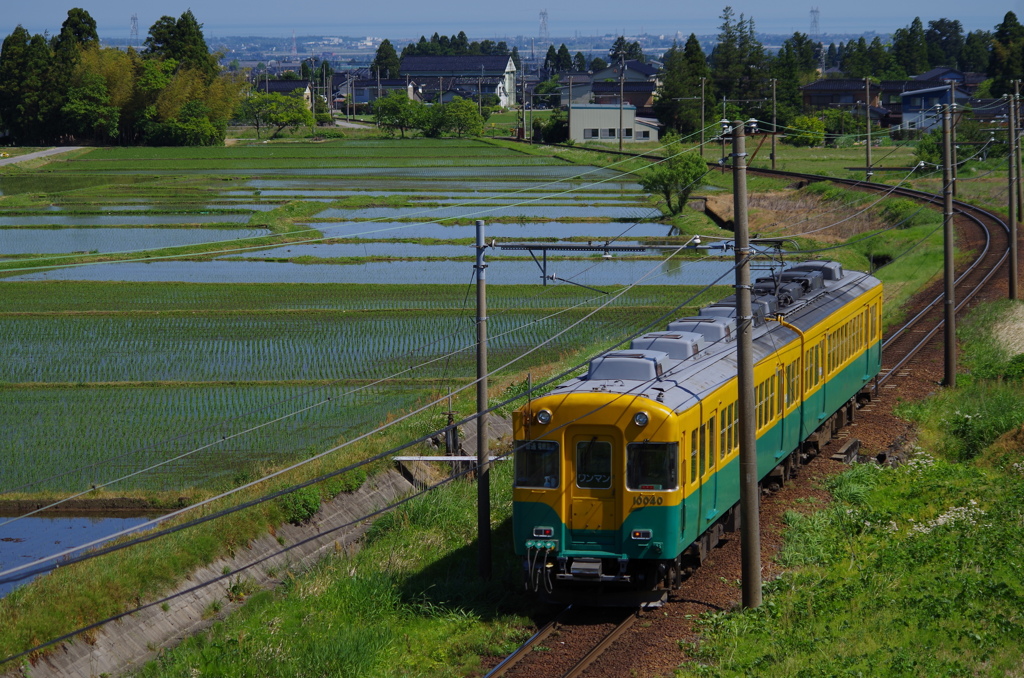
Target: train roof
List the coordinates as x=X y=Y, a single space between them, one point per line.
x=804 y=295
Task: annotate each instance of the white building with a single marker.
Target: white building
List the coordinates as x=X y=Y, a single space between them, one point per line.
x=600 y=122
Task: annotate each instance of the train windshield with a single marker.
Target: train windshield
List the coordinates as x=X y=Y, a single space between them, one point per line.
x=652 y=466
x=536 y=463
x=594 y=464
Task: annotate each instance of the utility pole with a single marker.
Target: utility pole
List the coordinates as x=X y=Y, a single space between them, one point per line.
x=750 y=529
x=774 y=126
x=622 y=87
x=947 y=235
x=952 y=127
x=702 y=81
x=1012 y=196
x=568 y=114
x=867 y=119
x=483 y=471
x=480 y=92
x=1017 y=149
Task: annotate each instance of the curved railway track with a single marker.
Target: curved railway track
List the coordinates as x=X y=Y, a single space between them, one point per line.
x=986 y=237
x=983 y=233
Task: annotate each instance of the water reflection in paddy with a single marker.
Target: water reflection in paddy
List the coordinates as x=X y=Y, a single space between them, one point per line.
x=30 y=539
x=63 y=241
x=124 y=220
x=550 y=229
x=484 y=211
x=598 y=271
x=393 y=249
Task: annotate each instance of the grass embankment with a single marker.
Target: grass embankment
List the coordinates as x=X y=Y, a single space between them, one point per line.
x=410 y=603
x=912 y=570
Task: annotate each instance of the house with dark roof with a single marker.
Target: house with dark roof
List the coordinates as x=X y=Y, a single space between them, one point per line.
x=832 y=92
x=920 y=106
x=634 y=71
x=287 y=87
x=472 y=75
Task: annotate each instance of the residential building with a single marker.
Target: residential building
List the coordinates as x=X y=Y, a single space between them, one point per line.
x=600 y=122
x=471 y=76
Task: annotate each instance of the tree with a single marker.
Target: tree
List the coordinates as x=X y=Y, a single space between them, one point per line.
x=386 y=61
x=974 y=57
x=625 y=50
x=564 y=59
x=183 y=41
x=678 y=105
x=579 y=62
x=88 y=109
x=945 y=41
x=397 y=112
x=551 y=59
x=598 y=64
x=794 y=65
x=675 y=177
x=809 y=131
x=464 y=118
x=910 y=48
x=1006 y=62
x=738 y=67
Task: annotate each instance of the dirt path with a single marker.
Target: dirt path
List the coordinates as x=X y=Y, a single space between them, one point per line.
x=38 y=154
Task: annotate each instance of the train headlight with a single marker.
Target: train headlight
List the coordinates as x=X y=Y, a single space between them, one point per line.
x=544 y=532
x=641 y=419
x=642 y=535
x=544 y=417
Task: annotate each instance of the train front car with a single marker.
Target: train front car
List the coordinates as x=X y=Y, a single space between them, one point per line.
x=597 y=499
x=629 y=474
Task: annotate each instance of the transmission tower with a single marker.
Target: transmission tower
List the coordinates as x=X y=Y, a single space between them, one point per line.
x=816 y=37
x=544 y=26
x=133 y=36
x=295 y=47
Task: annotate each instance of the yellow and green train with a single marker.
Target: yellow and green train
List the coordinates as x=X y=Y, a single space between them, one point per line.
x=627 y=475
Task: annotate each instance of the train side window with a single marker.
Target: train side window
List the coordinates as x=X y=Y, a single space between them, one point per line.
x=652 y=466
x=703 y=448
x=537 y=463
x=723 y=436
x=693 y=455
x=711 y=442
x=594 y=464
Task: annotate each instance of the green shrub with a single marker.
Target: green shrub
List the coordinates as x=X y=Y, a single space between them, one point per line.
x=299 y=506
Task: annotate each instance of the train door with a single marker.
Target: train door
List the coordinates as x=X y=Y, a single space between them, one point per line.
x=706 y=459
x=594 y=519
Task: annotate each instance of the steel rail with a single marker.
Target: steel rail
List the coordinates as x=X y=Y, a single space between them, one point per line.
x=976 y=214
x=592 y=656
x=508 y=662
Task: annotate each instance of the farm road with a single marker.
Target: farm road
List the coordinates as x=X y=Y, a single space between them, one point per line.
x=37 y=154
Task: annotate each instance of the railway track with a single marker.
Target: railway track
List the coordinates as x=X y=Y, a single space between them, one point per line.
x=982 y=233
x=985 y=234
x=561 y=644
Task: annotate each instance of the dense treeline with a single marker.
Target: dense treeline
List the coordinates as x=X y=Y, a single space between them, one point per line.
x=459 y=45
x=739 y=68
x=69 y=88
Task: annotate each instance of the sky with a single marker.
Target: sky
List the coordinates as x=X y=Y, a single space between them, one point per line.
x=566 y=18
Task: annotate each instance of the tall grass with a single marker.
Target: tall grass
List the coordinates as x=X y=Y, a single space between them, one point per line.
x=911 y=570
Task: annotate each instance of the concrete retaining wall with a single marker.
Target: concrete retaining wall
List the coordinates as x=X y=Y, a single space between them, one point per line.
x=130 y=642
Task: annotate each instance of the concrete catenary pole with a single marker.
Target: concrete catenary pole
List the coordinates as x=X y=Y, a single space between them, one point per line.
x=947 y=236
x=775 y=126
x=750 y=531
x=483 y=478
x=952 y=135
x=1011 y=201
x=1017 y=151
x=867 y=120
